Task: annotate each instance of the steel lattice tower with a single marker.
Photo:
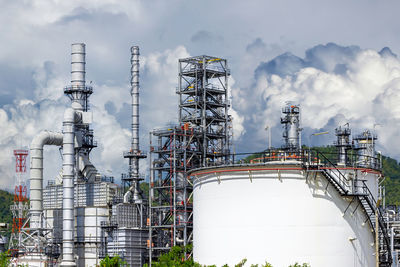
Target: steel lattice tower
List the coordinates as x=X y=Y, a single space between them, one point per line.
x=203 y=103
x=20 y=206
x=201 y=138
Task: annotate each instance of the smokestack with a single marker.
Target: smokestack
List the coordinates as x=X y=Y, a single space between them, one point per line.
x=134 y=154
x=78 y=73
x=78 y=93
x=78 y=65
x=135 y=108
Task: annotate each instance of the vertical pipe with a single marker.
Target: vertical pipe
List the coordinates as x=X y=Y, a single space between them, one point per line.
x=174 y=189
x=134 y=162
x=135 y=97
x=78 y=65
x=180 y=90
x=225 y=146
x=204 y=113
x=36 y=174
x=70 y=117
x=78 y=62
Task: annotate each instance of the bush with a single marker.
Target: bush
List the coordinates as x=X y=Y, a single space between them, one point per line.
x=177 y=257
x=112 y=262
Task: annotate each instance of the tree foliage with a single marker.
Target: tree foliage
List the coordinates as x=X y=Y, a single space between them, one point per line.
x=112 y=262
x=178 y=257
x=5 y=259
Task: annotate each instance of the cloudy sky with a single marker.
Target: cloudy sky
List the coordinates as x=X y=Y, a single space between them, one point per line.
x=337 y=59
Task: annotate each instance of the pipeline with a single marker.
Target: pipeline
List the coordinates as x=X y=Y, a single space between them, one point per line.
x=70 y=118
x=36 y=174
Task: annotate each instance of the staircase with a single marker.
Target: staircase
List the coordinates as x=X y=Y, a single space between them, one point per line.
x=321 y=164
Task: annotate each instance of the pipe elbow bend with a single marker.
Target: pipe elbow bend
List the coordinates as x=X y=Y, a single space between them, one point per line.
x=46 y=138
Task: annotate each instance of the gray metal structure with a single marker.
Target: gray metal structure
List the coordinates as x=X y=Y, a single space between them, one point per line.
x=204 y=103
x=365 y=146
x=126 y=234
x=343 y=143
x=202 y=138
x=134 y=154
x=291 y=125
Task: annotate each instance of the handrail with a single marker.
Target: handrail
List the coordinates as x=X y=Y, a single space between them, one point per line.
x=381 y=220
x=340 y=179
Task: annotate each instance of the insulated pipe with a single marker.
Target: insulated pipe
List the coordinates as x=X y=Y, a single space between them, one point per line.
x=36 y=174
x=70 y=118
x=135 y=107
x=78 y=64
x=134 y=161
x=78 y=72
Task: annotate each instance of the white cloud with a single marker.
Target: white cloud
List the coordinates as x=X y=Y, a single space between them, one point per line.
x=22 y=120
x=365 y=92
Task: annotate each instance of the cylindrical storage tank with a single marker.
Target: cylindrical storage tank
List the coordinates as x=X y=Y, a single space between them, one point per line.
x=278 y=213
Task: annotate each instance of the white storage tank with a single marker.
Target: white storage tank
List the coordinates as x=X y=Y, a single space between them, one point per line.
x=275 y=212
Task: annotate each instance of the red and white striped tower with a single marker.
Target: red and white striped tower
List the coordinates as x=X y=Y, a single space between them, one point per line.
x=20 y=206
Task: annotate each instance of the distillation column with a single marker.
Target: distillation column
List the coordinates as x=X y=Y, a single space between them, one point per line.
x=366 y=148
x=291 y=124
x=343 y=143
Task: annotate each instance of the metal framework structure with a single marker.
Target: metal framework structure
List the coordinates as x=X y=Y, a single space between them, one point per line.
x=126 y=233
x=202 y=138
x=291 y=125
x=366 y=147
x=343 y=143
x=20 y=206
x=204 y=103
x=170 y=218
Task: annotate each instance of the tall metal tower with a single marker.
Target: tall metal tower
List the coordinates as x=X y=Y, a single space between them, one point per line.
x=134 y=154
x=20 y=206
x=201 y=138
x=79 y=93
x=126 y=234
x=204 y=104
x=291 y=124
x=366 y=148
x=343 y=143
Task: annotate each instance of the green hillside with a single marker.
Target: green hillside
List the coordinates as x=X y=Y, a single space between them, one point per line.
x=6 y=199
x=391 y=171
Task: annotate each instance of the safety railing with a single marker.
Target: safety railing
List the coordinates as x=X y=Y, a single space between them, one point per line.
x=307 y=156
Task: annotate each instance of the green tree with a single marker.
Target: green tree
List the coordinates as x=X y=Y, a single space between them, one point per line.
x=5 y=259
x=112 y=262
x=177 y=256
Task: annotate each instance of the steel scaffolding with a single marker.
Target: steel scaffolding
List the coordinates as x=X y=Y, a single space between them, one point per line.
x=202 y=138
x=204 y=103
